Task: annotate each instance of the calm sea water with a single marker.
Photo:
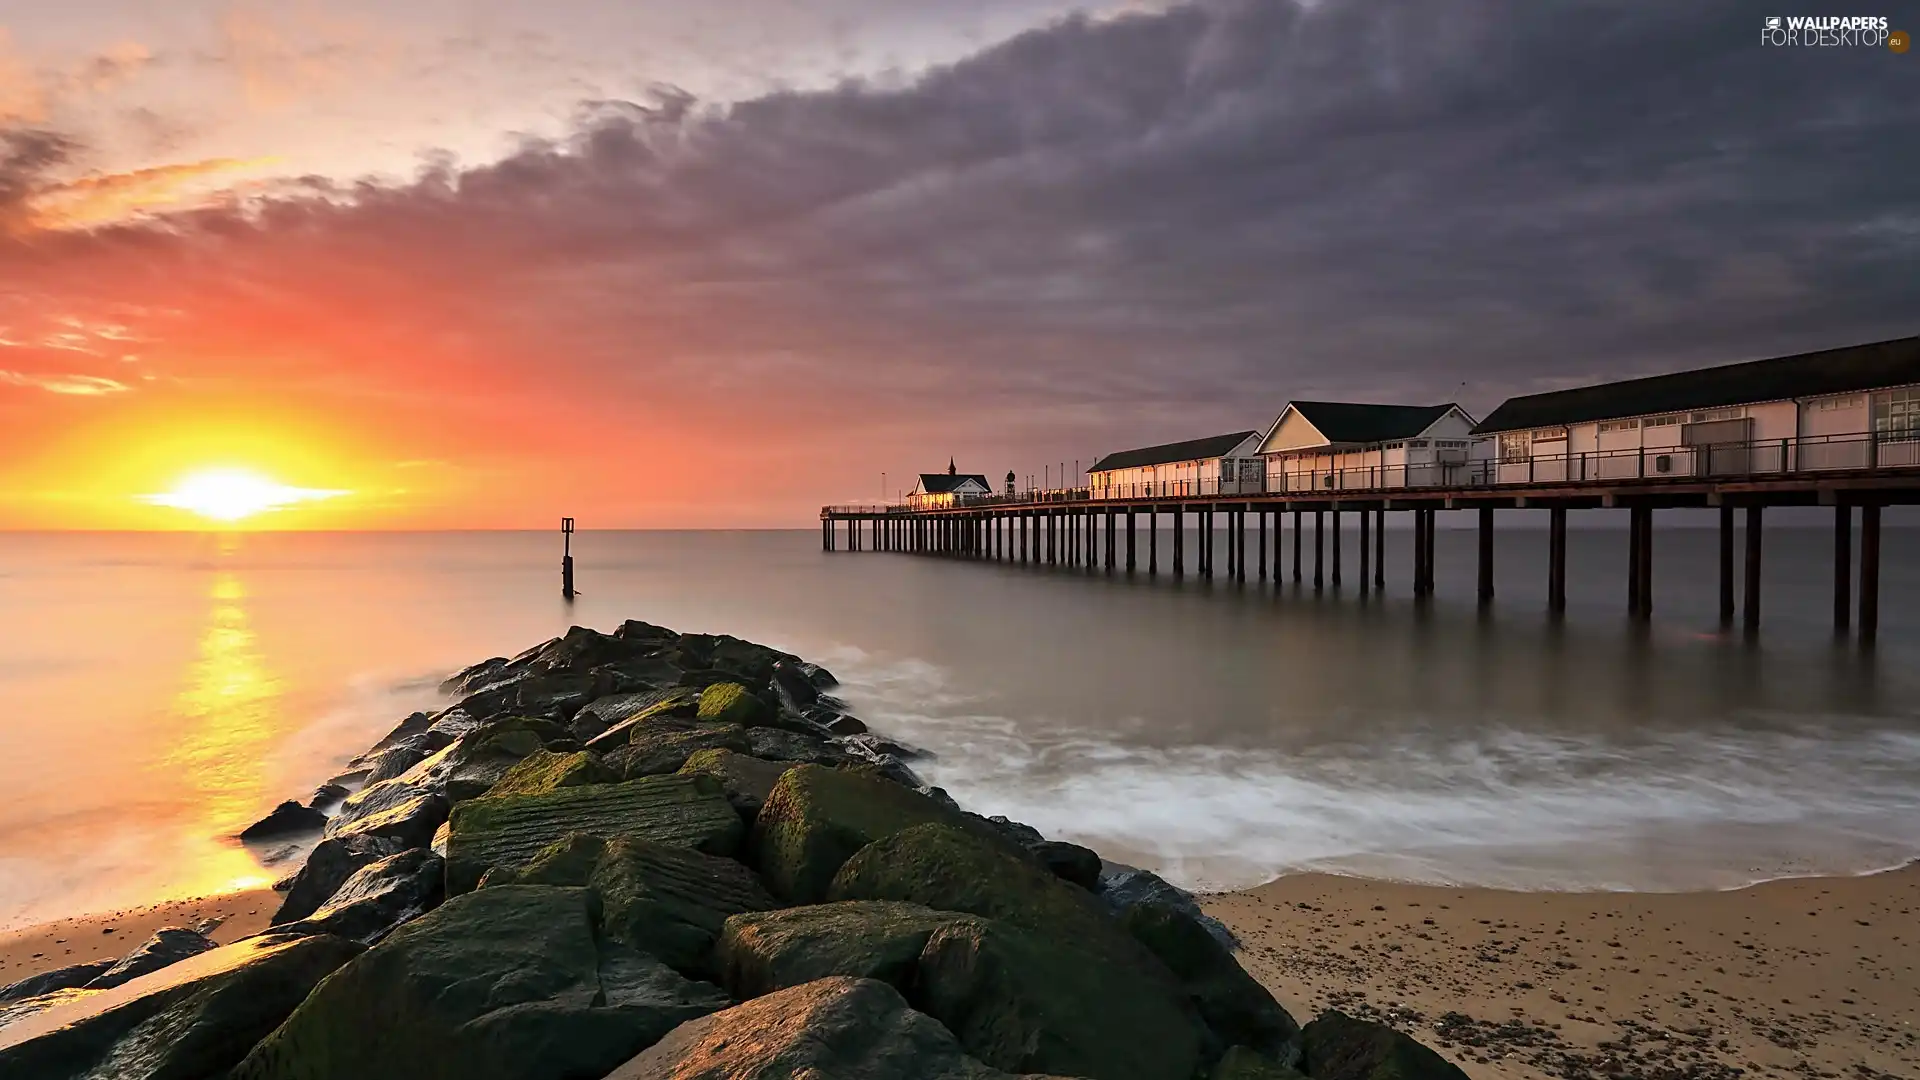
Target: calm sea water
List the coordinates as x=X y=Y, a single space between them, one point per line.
x=158 y=692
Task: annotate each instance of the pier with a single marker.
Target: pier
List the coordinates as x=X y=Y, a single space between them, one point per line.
x=1095 y=530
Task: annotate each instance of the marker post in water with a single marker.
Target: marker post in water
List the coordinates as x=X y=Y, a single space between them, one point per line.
x=566 y=559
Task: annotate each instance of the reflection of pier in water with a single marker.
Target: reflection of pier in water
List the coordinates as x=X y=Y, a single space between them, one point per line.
x=1065 y=528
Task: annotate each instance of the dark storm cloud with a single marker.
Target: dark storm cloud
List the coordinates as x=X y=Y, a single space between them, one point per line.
x=1114 y=231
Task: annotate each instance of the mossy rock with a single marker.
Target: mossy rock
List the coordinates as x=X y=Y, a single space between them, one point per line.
x=504 y=984
x=1238 y=1010
x=624 y=714
x=746 y=780
x=829 y=1029
x=1031 y=1002
x=816 y=818
x=398 y=811
x=668 y=902
x=657 y=751
x=959 y=869
x=867 y=939
x=543 y=771
x=196 y=1018
x=731 y=703
x=1240 y=1063
x=510 y=830
x=480 y=758
x=1339 y=1047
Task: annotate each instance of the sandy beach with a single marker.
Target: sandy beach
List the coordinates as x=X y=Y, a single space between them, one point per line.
x=113 y=934
x=1804 y=977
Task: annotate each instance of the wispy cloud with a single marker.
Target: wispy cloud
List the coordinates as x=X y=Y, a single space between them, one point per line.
x=75 y=385
x=105 y=198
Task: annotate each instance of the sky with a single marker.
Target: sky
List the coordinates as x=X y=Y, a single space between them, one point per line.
x=485 y=263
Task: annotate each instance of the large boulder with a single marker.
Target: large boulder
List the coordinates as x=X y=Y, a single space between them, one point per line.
x=396 y=810
x=328 y=867
x=731 y=703
x=168 y=945
x=379 y=897
x=782 y=744
x=1238 y=1010
x=509 y=983
x=1340 y=1047
x=816 y=818
x=609 y=722
x=868 y=939
x=72 y=977
x=746 y=780
x=193 y=1019
x=288 y=819
x=832 y=1029
x=797 y=691
x=544 y=770
x=683 y=811
x=1240 y=1063
x=1031 y=1002
x=480 y=758
x=669 y=902
x=656 y=750
x=548 y=697
x=957 y=869
x=1052 y=982
x=1122 y=886
x=1069 y=862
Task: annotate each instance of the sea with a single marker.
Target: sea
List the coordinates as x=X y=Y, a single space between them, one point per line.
x=159 y=691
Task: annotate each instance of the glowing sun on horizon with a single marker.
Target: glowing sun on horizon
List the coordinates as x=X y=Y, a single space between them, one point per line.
x=234 y=494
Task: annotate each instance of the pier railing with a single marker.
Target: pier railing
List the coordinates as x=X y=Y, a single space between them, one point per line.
x=1803 y=455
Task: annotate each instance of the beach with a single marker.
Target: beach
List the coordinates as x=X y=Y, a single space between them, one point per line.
x=111 y=934
x=1793 y=978
x=1799 y=977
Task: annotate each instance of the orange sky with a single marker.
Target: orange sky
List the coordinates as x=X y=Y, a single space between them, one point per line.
x=713 y=265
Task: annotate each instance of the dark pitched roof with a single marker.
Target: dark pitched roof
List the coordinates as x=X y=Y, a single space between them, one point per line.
x=1166 y=453
x=1352 y=422
x=939 y=483
x=1829 y=371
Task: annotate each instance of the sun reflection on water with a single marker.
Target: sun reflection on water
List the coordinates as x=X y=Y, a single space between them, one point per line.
x=226 y=712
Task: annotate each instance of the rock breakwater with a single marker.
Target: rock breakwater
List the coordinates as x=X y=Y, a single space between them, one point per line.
x=652 y=854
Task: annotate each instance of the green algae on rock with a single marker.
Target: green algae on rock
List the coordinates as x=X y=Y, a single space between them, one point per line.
x=685 y=811
x=669 y=902
x=731 y=703
x=841 y=1028
x=867 y=939
x=508 y=983
x=816 y=818
x=543 y=771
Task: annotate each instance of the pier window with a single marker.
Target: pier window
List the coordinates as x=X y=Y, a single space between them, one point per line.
x=1711 y=415
x=1896 y=415
x=1664 y=421
x=1619 y=425
x=1516 y=446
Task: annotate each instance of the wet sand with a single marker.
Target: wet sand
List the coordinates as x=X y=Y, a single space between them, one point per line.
x=110 y=935
x=1799 y=978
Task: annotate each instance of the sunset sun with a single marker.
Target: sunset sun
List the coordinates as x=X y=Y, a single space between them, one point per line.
x=234 y=494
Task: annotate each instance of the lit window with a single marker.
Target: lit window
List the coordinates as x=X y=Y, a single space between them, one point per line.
x=1516 y=446
x=1896 y=415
